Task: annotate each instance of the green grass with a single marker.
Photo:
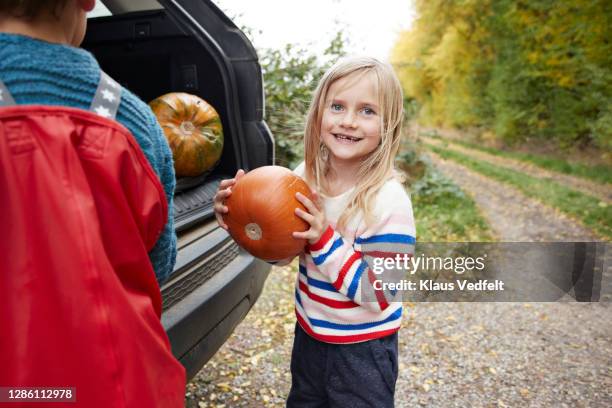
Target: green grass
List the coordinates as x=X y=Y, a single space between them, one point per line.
x=583 y=207
x=443 y=212
x=449 y=219
x=598 y=173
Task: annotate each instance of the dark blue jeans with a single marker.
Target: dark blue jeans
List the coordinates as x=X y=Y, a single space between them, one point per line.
x=342 y=375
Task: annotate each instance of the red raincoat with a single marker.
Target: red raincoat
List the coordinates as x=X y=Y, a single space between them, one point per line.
x=80 y=207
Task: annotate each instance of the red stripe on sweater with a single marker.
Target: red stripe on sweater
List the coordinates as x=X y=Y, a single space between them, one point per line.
x=345 y=268
x=380 y=296
x=336 y=304
x=382 y=254
x=355 y=338
x=317 y=246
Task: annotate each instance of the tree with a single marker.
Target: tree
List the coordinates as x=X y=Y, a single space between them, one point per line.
x=290 y=77
x=538 y=68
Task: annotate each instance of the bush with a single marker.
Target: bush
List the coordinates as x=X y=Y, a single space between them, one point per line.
x=423 y=179
x=290 y=77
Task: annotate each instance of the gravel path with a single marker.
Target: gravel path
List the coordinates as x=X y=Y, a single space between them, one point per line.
x=512 y=216
x=600 y=191
x=451 y=354
x=506 y=355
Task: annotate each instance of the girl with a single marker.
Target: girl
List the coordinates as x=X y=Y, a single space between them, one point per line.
x=345 y=347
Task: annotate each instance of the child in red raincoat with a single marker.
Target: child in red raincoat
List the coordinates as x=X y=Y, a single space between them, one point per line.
x=87 y=217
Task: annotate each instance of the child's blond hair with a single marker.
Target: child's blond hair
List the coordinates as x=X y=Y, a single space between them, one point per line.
x=378 y=166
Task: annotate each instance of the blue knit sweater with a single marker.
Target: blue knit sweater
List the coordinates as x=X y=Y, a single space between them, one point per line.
x=38 y=72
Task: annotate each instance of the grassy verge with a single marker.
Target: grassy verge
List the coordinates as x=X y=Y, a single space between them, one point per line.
x=587 y=209
x=599 y=173
x=449 y=219
x=442 y=211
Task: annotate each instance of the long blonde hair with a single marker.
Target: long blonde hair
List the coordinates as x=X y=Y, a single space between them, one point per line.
x=377 y=167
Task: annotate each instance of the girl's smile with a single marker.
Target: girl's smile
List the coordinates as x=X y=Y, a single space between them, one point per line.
x=343 y=138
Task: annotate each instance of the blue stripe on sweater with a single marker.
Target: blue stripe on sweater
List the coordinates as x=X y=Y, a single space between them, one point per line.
x=360 y=326
x=387 y=238
x=321 y=258
x=303 y=270
x=317 y=283
x=321 y=285
x=355 y=282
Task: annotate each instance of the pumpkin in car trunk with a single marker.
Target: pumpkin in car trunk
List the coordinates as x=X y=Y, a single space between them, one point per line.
x=193 y=130
x=261 y=216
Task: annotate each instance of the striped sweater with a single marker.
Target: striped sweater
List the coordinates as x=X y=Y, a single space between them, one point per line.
x=335 y=300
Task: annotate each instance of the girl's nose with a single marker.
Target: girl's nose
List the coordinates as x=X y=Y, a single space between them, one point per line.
x=349 y=120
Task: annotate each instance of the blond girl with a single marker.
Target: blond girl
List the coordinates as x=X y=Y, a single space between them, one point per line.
x=345 y=346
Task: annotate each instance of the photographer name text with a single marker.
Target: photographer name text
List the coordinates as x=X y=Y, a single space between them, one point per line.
x=430 y=285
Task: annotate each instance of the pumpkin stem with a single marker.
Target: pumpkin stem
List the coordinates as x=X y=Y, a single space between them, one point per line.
x=187 y=127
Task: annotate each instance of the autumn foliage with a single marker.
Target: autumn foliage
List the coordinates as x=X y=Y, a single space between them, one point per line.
x=520 y=69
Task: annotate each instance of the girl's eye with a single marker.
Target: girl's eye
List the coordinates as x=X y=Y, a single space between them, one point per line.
x=336 y=107
x=369 y=111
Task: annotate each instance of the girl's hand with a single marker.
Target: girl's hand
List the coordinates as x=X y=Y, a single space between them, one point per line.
x=315 y=217
x=224 y=191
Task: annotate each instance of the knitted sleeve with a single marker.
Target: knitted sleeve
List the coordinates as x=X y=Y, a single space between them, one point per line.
x=350 y=266
x=163 y=254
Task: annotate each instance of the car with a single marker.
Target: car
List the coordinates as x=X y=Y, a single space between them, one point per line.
x=155 y=47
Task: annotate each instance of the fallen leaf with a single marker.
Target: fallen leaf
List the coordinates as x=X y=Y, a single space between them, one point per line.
x=224 y=386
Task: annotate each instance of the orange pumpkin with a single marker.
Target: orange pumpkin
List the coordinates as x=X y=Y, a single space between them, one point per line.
x=193 y=130
x=261 y=216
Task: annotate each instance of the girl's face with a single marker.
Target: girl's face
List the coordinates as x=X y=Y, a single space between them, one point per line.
x=350 y=127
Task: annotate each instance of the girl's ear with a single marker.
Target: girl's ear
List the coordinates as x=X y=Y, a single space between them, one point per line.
x=87 y=5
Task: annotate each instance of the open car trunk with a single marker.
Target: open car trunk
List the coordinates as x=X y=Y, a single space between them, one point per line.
x=169 y=50
x=156 y=47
